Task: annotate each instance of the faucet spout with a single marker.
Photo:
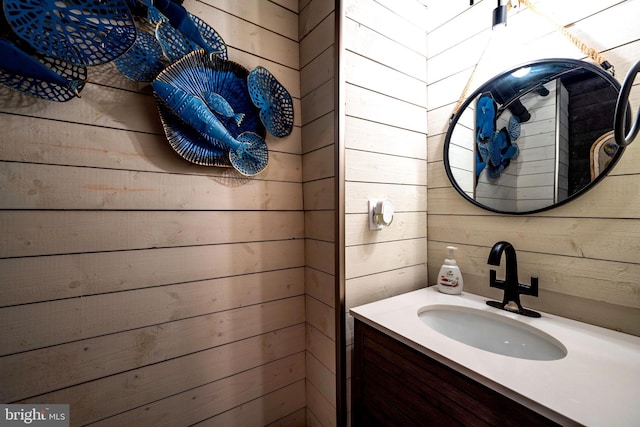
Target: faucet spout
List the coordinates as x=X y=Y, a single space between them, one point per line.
x=511 y=286
x=511 y=267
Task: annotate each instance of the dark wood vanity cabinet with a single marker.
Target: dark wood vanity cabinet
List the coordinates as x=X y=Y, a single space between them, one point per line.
x=395 y=385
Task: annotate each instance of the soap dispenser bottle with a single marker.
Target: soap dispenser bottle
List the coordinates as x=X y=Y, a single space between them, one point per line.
x=450 y=278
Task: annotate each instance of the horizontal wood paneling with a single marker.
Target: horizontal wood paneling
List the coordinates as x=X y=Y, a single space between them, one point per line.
x=405 y=197
x=364 y=135
x=320 y=286
x=32 y=186
x=320 y=316
x=398 y=26
x=382 y=168
x=322 y=378
x=114 y=394
x=375 y=287
x=385 y=146
x=312 y=15
x=254 y=37
x=319 y=225
x=369 y=259
x=320 y=38
x=322 y=347
x=376 y=107
x=318 y=164
x=117 y=109
x=283 y=407
x=320 y=255
x=197 y=404
x=30 y=327
x=385 y=149
x=582 y=239
x=319 y=195
x=318 y=71
x=264 y=14
x=318 y=102
x=320 y=407
x=615 y=191
x=406 y=225
x=370 y=43
x=318 y=133
x=414 y=12
x=92 y=231
x=137 y=287
x=26 y=374
x=384 y=79
x=94 y=273
x=318 y=60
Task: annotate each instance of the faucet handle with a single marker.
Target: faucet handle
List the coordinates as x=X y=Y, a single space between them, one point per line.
x=532 y=289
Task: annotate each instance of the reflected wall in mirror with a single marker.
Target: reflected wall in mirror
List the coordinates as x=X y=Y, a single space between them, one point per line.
x=534 y=137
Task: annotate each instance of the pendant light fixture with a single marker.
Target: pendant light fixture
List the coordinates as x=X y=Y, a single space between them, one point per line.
x=499 y=15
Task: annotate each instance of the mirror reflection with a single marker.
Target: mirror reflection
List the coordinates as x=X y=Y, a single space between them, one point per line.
x=534 y=137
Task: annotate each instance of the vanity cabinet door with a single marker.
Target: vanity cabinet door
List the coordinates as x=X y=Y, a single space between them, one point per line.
x=395 y=385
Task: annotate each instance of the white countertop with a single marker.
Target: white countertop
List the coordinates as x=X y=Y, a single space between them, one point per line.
x=596 y=384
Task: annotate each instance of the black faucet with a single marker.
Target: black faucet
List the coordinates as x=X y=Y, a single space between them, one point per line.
x=512 y=288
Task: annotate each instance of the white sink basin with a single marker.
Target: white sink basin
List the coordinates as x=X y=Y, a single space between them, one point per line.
x=594 y=384
x=492 y=332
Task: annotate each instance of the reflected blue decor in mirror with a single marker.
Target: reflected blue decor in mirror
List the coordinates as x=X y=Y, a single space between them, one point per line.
x=534 y=137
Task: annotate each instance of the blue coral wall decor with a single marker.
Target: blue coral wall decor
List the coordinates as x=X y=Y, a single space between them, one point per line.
x=214 y=111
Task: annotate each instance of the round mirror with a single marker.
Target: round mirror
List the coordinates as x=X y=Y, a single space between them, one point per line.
x=534 y=137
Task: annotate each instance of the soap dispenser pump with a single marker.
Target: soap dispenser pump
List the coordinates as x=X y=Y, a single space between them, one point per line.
x=450 y=278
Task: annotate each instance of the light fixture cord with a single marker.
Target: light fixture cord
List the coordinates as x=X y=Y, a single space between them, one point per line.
x=587 y=50
x=463 y=95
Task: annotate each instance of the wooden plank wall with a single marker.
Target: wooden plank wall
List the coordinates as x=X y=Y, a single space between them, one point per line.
x=586 y=253
x=385 y=149
x=317 y=63
x=137 y=287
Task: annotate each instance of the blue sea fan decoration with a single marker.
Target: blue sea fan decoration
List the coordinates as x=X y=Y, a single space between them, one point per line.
x=80 y=32
x=144 y=61
x=173 y=43
x=198 y=74
x=39 y=76
x=273 y=100
x=210 y=96
x=253 y=156
x=176 y=44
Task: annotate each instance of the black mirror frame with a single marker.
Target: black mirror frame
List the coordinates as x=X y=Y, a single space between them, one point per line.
x=452 y=122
